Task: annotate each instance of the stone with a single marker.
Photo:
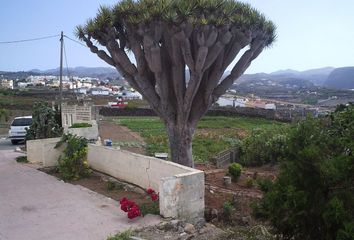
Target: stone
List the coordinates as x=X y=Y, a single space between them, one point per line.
x=227 y=181
x=246 y=220
x=189 y=228
x=214 y=213
x=200 y=223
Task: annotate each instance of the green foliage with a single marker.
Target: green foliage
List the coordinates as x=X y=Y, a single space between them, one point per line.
x=249 y=182
x=80 y=125
x=263 y=146
x=150 y=208
x=313 y=196
x=45 y=122
x=73 y=165
x=205 y=146
x=22 y=159
x=228 y=208
x=265 y=184
x=175 y=12
x=121 y=236
x=235 y=170
x=112 y=185
x=4 y=115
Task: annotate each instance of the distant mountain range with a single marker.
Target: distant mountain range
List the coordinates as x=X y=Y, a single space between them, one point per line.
x=96 y=72
x=340 y=78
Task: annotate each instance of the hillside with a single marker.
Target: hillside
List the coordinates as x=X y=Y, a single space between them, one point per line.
x=341 y=78
x=101 y=73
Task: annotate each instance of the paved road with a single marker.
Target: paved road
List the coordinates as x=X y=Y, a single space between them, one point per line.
x=36 y=206
x=5 y=144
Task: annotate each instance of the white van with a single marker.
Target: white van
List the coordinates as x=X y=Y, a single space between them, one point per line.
x=18 y=127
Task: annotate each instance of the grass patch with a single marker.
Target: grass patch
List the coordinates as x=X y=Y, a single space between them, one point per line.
x=80 y=125
x=213 y=135
x=22 y=159
x=122 y=236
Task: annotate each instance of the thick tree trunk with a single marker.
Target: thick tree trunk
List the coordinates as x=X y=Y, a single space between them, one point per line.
x=180 y=137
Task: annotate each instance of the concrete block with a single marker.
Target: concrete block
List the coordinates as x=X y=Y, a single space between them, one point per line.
x=42 y=151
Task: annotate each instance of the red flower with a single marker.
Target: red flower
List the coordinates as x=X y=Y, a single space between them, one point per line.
x=150 y=191
x=154 y=197
x=130 y=207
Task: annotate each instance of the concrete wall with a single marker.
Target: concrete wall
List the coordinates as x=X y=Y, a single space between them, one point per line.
x=181 y=188
x=90 y=133
x=43 y=151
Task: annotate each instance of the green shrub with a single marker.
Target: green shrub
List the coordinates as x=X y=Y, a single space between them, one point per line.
x=73 y=165
x=81 y=125
x=150 y=208
x=265 y=184
x=235 y=170
x=249 y=182
x=228 y=208
x=45 y=122
x=22 y=159
x=263 y=147
x=313 y=195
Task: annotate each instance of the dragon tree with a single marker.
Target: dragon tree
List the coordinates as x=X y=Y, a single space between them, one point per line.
x=175 y=53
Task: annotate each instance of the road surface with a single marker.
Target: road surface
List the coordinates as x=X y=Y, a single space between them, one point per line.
x=37 y=206
x=5 y=144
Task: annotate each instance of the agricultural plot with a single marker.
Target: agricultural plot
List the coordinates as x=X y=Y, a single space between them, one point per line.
x=213 y=134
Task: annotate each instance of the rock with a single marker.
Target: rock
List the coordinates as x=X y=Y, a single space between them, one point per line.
x=227 y=180
x=180 y=229
x=200 y=223
x=189 y=228
x=214 y=213
x=246 y=220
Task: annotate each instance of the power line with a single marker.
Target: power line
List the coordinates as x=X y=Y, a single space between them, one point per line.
x=30 y=39
x=75 y=41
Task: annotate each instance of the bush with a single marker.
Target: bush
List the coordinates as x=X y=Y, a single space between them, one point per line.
x=228 y=208
x=22 y=159
x=313 y=196
x=235 y=170
x=80 y=125
x=263 y=147
x=73 y=165
x=45 y=122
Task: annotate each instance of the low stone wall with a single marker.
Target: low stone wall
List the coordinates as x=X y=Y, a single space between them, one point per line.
x=181 y=188
x=42 y=151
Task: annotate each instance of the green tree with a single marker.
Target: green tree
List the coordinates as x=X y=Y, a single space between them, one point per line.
x=313 y=196
x=44 y=122
x=181 y=49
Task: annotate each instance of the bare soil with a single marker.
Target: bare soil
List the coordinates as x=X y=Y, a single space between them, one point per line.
x=98 y=182
x=118 y=133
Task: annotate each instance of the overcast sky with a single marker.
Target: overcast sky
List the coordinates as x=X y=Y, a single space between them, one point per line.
x=311 y=33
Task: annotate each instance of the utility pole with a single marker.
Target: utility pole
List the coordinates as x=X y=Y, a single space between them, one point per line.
x=61 y=70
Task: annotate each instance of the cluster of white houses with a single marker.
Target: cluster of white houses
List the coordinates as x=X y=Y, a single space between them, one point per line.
x=85 y=85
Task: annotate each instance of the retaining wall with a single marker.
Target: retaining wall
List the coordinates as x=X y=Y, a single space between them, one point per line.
x=90 y=133
x=42 y=151
x=181 y=188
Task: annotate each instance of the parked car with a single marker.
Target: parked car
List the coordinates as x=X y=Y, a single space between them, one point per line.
x=18 y=128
